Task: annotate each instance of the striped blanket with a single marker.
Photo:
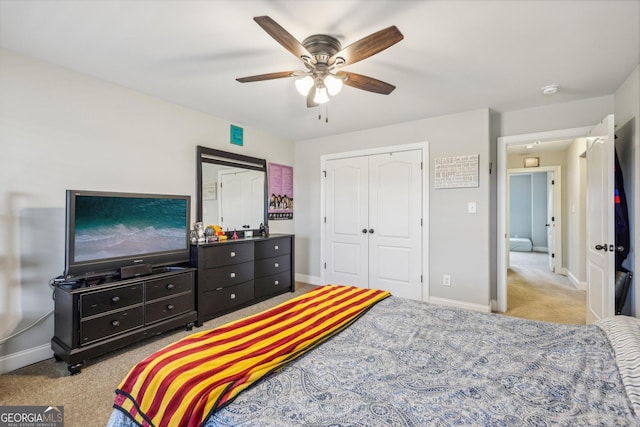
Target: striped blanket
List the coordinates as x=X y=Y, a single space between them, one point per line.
x=185 y=382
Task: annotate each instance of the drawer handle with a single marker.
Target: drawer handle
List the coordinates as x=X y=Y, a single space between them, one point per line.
x=232 y=254
x=170 y=286
x=275 y=248
x=115 y=323
x=232 y=296
x=115 y=299
x=219 y=289
x=232 y=275
x=277 y=265
x=276 y=282
x=170 y=307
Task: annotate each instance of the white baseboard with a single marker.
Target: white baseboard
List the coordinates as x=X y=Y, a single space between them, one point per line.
x=460 y=304
x=575 y=282
x=312 y=280
x=24 y=358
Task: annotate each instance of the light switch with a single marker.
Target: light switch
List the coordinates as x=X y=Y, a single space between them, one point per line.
x=471 y=207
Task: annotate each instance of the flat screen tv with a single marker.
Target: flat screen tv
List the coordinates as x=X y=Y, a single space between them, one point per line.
x=108 y=231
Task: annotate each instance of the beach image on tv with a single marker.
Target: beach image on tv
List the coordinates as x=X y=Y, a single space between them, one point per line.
x=113 y=227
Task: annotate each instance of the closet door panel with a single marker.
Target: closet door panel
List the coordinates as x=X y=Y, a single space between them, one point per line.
x=395 y=212
x=346 y=207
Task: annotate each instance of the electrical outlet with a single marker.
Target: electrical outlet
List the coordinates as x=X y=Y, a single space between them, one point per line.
x=446 y=280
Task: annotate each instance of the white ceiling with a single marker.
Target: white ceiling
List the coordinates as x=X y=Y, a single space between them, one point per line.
x=457 y=55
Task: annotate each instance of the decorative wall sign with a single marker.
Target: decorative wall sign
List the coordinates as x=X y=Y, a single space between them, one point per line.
x=210 y=191
x=456 y=171
x=280 y=191
x=531 y=162
x=237 y=135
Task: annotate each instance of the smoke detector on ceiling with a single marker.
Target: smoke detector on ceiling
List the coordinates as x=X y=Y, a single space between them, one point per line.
x=550 y=89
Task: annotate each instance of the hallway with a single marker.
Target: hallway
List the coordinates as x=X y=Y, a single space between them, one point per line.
x=536 y=293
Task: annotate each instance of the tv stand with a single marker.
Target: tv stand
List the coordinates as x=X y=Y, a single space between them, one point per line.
x=95 y=317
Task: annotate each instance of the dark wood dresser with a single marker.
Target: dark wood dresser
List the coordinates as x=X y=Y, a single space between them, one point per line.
x=237 y=273
x=94 y=319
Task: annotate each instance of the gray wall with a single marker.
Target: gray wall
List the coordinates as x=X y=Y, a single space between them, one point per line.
x=456 y=238
x=520 y=206
x=60 y=130
x=528 y=207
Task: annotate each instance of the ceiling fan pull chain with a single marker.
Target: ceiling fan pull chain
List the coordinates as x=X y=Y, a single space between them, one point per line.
x=326 y=113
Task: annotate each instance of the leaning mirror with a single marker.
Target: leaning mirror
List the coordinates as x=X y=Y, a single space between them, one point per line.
x=231 y=190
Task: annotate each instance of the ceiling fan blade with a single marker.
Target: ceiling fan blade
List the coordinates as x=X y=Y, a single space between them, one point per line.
x=268 y=76
x=370 y=84
x=283 y=37
x=368 y=46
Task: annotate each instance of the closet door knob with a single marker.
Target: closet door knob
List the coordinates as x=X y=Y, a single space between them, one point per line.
x=371 y=230
x=364 y=231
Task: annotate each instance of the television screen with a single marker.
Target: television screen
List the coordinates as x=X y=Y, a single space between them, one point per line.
x=107 y=231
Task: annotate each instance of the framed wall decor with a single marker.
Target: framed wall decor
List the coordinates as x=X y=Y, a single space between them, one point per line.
x=280 y=191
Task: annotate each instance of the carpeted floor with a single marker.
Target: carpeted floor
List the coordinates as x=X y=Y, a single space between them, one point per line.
x=534 y=292
x=87 y=397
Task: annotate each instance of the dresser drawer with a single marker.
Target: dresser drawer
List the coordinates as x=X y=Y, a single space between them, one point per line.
x=274 y=284
x=167 y=286
x=225 y=276
x=226 y=254
x=269 y=266
x=222 y=299
x=110 y=324
x=273 y=247
x=93 y=303
x=164 y=308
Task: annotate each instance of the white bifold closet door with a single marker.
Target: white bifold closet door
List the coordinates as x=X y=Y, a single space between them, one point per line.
x=373 y=209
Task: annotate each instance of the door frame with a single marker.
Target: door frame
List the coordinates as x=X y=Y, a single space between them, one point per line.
x=502 y=144
x=557 y=208
x=424 y=146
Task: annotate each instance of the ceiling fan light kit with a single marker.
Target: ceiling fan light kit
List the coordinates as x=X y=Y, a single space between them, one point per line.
x=323 y=56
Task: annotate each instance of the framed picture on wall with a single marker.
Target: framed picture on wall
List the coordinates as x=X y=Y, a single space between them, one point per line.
x=280 y=191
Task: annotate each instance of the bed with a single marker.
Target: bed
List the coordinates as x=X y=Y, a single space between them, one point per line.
x=408 y=363
x=520 y=244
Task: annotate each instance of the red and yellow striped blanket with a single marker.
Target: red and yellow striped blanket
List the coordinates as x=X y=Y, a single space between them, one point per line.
x=185 y=382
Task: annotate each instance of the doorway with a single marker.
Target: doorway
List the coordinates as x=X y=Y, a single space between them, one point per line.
x=503 y=230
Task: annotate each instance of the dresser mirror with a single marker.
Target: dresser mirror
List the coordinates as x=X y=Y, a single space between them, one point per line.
x=231 y=190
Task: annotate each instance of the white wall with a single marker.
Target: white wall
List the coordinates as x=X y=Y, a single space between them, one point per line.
x=567 y=115
x=456 y=238
x=627 y=118
x=61 y=130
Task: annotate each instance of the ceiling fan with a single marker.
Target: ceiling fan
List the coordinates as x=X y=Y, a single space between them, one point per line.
x=323 y=57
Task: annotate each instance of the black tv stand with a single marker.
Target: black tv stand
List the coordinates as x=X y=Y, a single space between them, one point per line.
x=94 y=316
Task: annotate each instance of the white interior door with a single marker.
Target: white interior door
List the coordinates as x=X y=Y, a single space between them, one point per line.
x=551 y=224
x=241 y=195
x=347 y=222
x=395 y=206
x=600 y=222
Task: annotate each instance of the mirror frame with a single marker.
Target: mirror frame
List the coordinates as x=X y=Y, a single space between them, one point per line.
x=225 y=158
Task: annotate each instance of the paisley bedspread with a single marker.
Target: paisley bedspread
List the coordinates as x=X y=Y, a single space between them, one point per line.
x=408 y=363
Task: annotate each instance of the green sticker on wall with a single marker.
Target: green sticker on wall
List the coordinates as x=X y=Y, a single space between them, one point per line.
x=237 y=135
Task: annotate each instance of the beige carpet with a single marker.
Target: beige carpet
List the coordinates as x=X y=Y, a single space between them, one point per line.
x=534 y=292
x=87 y=397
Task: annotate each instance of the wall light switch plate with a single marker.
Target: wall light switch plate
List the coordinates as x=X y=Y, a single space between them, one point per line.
x=471 y=207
